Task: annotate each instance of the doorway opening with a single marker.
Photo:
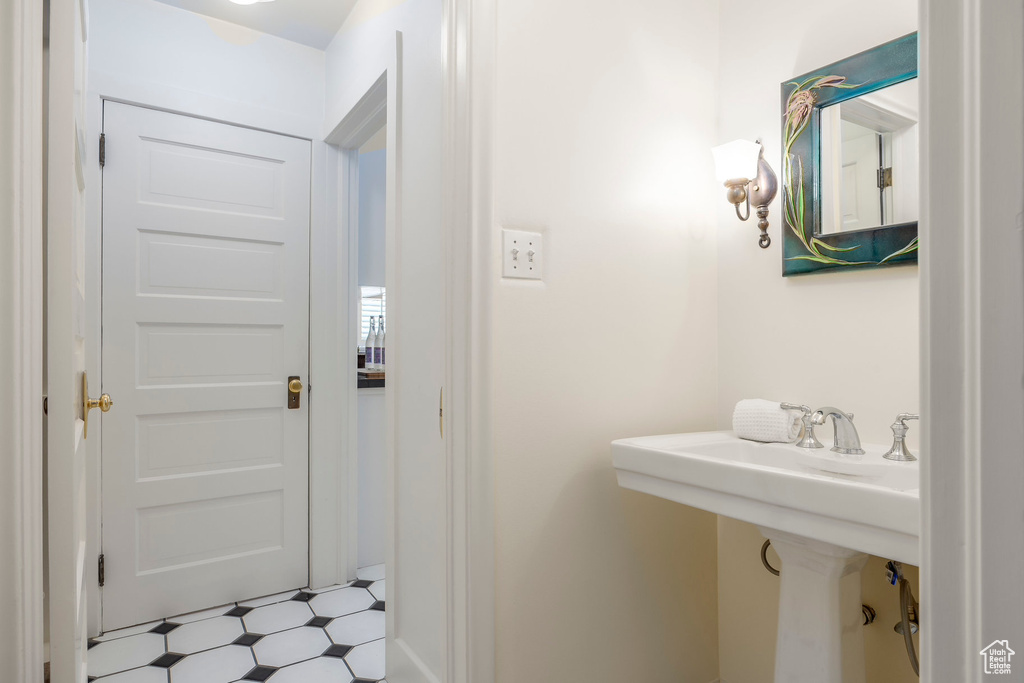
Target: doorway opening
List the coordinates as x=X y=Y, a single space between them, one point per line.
x=171 y=352
x=371 y=321
x=206 y=489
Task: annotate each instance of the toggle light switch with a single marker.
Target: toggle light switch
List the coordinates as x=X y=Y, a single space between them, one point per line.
x=522 y=255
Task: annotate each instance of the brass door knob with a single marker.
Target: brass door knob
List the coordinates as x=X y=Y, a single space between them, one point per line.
x=295 y=386
x=104 y=403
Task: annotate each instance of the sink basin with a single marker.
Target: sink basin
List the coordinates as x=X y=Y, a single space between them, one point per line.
x=823 y=512
x=863 y=503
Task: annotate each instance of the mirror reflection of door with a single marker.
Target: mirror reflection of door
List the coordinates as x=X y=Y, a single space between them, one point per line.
x=861 y=203
x=869 y=174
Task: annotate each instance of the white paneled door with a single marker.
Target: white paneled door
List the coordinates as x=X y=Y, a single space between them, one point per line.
x=205 y=329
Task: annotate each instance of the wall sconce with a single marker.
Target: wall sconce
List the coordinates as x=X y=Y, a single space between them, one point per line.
x=741 y=166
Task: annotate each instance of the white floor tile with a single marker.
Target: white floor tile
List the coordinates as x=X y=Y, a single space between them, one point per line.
x=204 y=635
x=320 y=670
x=270 y=599
x=291 y=646
x=228 y=663
x=277 y=617
x=374 y=573
x=123 y=632
x=121 y=656
x=341 y=602
x=202 y=614
x=358 y=628
x=147 y=674
x=124 y=653
x=367 y=661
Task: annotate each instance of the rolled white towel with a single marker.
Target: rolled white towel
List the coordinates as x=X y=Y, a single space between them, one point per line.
x=756 y=419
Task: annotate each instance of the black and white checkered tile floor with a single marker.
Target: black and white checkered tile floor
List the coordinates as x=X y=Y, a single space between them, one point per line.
x=334 y=635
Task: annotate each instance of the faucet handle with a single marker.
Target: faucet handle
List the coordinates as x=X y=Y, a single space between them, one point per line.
x=807 y=438
x=899 y=451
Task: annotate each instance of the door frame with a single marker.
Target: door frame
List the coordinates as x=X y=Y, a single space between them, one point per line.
x=21 y=340
x=352 y=131
x=469 y=37
x=972 y=304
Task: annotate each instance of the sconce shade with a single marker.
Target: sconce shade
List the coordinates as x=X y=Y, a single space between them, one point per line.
x=736 y=160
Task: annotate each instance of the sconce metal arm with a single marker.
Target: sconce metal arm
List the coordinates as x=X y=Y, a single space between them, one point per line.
x=737 y=206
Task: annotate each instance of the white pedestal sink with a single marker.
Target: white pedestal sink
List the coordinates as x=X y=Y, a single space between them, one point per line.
x=824 y=513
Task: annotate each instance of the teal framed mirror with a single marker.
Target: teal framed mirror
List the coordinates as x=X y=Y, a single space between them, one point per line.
x=850 y=176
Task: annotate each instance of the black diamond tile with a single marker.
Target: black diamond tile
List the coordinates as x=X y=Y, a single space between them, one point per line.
x=260 y=673
x=362 y=583
x=166 y=661
x=363 y=680
x=248 y=639
x=164 y=628
x=238 y=611
x=379 y=606
x=303 y=596
x=319 y=622
x=337 y=651
x=93 y=643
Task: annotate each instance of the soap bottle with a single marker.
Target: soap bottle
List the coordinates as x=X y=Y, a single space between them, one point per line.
x=381 y=339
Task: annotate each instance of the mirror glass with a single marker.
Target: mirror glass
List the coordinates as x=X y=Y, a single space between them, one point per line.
x=869 y=152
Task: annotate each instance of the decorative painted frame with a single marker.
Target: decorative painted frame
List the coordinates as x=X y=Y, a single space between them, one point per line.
x=804 y=248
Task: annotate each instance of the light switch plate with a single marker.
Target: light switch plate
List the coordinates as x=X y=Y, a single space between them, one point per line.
x=522 y=255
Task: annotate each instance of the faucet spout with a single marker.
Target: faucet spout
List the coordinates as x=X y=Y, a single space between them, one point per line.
x=847 y=440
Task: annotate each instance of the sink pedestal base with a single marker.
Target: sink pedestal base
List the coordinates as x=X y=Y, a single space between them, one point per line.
x=820 y=621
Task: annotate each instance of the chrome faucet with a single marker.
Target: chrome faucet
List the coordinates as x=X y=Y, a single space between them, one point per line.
x=847 y=441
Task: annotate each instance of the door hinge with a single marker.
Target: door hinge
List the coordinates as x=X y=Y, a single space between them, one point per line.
x=103 y=150
x=102 y=571
x=440 y=412
x=884 y=177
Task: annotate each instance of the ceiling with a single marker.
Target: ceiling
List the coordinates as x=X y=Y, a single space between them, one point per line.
x=309 y=22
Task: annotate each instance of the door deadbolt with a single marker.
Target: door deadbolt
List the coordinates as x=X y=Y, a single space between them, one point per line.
x=294 y=392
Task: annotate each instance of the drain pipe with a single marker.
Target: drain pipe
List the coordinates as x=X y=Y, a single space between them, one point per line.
x=908 y=623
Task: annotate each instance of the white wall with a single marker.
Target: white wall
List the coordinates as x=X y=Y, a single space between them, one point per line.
x=605 y=122
x=372 y=185
x=362 y=50
x=372 y=486
x=844 y=339
x=192 y=63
